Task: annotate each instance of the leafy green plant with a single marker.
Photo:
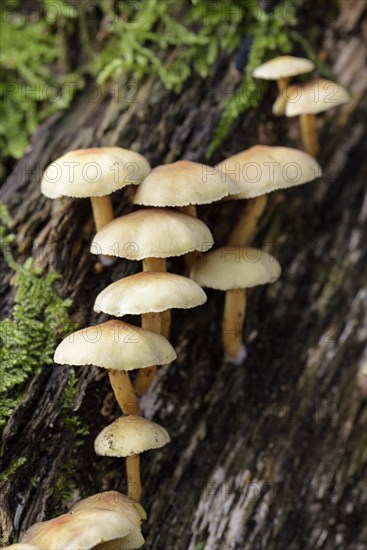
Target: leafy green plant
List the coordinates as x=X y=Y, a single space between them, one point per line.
x=38 y=320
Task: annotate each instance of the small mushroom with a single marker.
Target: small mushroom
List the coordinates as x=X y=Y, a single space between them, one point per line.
x=308 y=99
x=129 y=436
x=184 y=184
x=119 y=348
x=258 y=171
x=281 y=69
x=94 y=173
x=152 y=235
x=234 y=269
x=98 y=519
x=148 y=294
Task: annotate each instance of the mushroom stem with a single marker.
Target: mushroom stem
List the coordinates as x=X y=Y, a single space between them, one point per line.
x=189 y=209
x=133 y=477
x=309 y=134
x=234 y=316
x=102 y=211
x=155 y=264
x=245 y=226
x=124 y=391
x=159 y=265
x=145 y=377
x=280 y=103
x=191 y=257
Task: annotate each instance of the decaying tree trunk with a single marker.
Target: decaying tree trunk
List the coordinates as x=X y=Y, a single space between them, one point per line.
x=271 y=454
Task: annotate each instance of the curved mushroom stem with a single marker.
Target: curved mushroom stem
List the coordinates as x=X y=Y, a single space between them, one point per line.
x=309 y=134
x=133 y=477
x=102 y=211
x=124 y=391
x=244 y=228
x=103 y=214
x=145 y=377
x=279 y=105
x=233 y=319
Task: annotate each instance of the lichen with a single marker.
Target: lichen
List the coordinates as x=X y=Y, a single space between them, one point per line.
x=39 y=318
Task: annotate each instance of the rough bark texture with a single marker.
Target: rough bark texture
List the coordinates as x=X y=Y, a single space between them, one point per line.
x=271 y=454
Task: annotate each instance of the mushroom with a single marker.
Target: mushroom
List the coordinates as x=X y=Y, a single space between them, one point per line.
x=308 y=99
x=119 y=348
x=94 y=173
x=152 y=235
x=281 y=69
x=184 y=184
x=147 y=294
x=129 y=436
x=258 y=171
x=103 y=517
x=234 y=269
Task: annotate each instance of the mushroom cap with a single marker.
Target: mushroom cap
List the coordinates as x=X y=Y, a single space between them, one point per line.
x=314 y=97
x=130 y=435
x=264 y=168
x=149 y=292
x=131 y=509
x=104 y=517
x=283 y=66
x=21 y=546
x=231 y=267
x=182 y=183
x=115 y=345
x=93 y=172
x=152 y=233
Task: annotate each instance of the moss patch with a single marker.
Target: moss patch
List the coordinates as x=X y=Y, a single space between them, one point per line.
x=39 y=319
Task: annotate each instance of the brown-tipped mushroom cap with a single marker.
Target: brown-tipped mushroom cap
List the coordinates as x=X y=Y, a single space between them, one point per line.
x=228 y=268
x=87 y=525
x=314 y=97
x=152 y=233
x=93 y=172
x=115 y=345
x=149 y=292
x=283 y=66
x=264 y=168
x=183 y=183
x=130 y=435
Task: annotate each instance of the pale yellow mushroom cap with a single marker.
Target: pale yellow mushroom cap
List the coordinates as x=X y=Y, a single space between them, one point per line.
x=283 y=66
x=264 y=168
x=235 y=267
x=93 y=172
x=98 y=519
x=152 y=233
x=314 y=97
x=149 y=292
x=130 y=435
x=115 y=345
x=182 y=183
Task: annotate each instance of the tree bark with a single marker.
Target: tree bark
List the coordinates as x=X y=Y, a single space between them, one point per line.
x=270 y=454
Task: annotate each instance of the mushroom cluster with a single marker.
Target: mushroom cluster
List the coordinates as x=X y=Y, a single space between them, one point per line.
x=165 y=225
x=304 y=99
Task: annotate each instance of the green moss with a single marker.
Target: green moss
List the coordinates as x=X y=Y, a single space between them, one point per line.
x=9 y=472
x=38 y=320
x=272 y=37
